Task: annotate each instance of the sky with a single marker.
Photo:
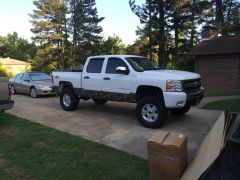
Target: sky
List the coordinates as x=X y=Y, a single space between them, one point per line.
x=119 y=19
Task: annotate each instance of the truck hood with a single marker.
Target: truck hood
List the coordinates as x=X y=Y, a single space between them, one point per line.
x=171 y=74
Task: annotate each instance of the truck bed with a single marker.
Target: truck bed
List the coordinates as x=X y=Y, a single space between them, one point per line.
x=68 y=76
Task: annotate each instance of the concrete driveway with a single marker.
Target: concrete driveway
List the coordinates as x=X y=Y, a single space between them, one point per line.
x=113 y=124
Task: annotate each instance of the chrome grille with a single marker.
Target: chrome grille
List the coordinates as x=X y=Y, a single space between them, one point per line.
x=192 y=85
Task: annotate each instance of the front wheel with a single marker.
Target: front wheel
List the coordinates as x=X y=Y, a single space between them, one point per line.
x=33 y=92
x=99 y=101
x=151 y=112
x=179 y=111
x=68 y=100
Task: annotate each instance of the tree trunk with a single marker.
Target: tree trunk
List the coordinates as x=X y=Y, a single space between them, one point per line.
x=150 y=31
x=192 y=23
x=219 y=15
x=176 y=39
x=161 y=48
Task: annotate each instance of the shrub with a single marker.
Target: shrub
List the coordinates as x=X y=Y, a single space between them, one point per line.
x=185 y=63
x=3 y=72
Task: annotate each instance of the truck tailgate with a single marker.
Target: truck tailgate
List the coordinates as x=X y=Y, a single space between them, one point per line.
x=4 y=96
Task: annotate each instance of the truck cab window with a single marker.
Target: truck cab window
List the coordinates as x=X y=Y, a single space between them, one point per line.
x=95 y=65
x=113 y=63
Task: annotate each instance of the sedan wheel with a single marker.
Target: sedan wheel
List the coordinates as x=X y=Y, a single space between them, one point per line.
x=33 y=92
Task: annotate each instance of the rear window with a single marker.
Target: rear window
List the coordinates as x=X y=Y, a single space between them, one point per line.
x=40 y=77
x=95 y=65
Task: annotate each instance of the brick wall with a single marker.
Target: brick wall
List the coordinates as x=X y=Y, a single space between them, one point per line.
x=219 y=72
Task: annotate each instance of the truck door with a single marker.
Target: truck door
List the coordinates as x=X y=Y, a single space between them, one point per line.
x=114 y=81
x=92 y=75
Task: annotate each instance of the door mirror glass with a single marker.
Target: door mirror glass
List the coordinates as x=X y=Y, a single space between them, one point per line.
x=122 y=70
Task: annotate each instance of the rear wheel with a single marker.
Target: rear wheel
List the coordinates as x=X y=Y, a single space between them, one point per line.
x=33 y=92
x=151 y=112
x=99 y=101
x=68 y=100
x=179 y=111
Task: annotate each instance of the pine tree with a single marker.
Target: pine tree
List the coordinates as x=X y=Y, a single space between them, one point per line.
x=84 y=27
x=152 y=15
x=231 y=16
x=49 y=26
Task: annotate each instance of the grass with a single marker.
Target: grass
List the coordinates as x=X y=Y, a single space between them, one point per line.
x=212 y=92
x=232 y=105
x=31 y=151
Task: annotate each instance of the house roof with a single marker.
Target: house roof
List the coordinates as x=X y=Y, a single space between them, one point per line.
x=9 y=61
x=218 y=46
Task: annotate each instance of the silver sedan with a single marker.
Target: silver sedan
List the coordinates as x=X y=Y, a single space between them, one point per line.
x=33 y=83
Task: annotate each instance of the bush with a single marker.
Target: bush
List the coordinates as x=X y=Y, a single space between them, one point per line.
x=3 y=73
x=185 y=63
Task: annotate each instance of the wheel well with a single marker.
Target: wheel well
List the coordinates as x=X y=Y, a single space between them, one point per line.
x=143 y=91
x=64 y=84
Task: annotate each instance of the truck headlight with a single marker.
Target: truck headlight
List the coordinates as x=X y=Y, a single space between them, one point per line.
x=174 y=86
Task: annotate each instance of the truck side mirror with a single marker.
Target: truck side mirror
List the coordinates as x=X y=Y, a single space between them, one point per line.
x=122 y=70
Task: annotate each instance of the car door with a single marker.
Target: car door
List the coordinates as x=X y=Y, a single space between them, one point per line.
x=92 y=75
x=114 y=81
x=18 y=83
x=25 y=84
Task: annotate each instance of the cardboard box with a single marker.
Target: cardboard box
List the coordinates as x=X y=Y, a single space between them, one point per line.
x=167 y=155
x=211 y=148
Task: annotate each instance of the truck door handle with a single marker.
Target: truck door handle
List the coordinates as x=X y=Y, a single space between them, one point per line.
x=106 y=78
x=86 y=77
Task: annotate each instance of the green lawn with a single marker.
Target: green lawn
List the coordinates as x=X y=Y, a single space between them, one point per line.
x=211 y=92
x=31 y=151
x=229 y=105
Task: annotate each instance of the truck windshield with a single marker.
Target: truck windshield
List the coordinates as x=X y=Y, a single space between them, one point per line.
x=39 y=77
x=140 y=64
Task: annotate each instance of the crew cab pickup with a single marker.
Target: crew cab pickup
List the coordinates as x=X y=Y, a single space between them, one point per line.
x=134 y=79
x=5 y=95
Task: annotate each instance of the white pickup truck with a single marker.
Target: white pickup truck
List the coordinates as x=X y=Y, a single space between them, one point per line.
x=127 y=78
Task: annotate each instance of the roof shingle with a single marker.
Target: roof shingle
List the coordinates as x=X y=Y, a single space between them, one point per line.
x=9 y=61
x=217 y=46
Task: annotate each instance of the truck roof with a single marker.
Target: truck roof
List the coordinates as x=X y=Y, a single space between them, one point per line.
x=120 y=56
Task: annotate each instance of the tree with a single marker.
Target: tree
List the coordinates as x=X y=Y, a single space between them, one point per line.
x=140 y=47
x=49 y=26
x=231 y=17
x=146 y=12
x=113 y=45
x=84 y=27
x=17 y=48
x=152 y=15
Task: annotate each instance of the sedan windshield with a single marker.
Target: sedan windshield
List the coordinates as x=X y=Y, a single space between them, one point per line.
x=142 y=64
x=39 y=77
